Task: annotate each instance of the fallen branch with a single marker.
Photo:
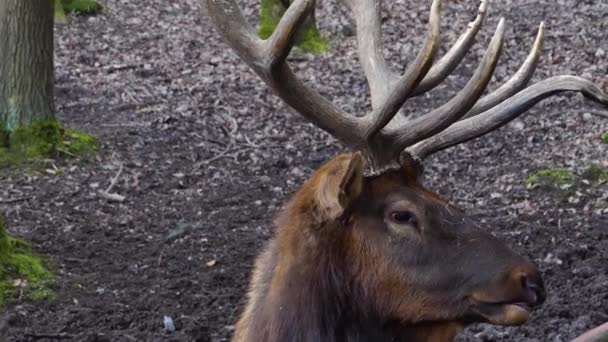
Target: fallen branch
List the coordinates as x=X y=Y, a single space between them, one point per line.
x=600 y=113
x=112 y=197
x=115 y=179
x=60 y=336
x=181 y=230
x=222 y=154
x=13 y=200
x=107 y=194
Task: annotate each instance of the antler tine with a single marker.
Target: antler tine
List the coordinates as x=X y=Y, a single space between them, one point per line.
x=368 y=18
x=384 y=112
x=281 y=41
x=516 y=83
x=267 y=59
x=230 y=23
x=444 y=67
x=381 y=79
x=506 y=111
x=442 y=117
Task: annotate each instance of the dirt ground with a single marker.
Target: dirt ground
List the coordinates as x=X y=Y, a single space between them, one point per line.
x=207 y=155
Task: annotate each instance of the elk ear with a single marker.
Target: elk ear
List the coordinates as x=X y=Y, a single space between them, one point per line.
x=342 y=183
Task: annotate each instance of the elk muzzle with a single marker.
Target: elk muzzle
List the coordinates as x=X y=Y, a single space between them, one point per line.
x=511 y=299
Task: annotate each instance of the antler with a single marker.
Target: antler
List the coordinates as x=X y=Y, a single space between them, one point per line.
x=506 y=111
x=382 y=135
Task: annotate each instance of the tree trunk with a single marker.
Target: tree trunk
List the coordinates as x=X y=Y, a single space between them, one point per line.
x=26 y=63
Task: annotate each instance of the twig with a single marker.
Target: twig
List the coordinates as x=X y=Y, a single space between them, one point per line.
x=600 y=113
x=114 y=179
x=216 y=157
x=13 y=200
x=60 y=336
x=129 y=337
x=64 y=151
x=134 y=124
x=75 y=259
x=160 y=255
x=121 y=67
x=222 y=154
x=181 y=230
x=109 y=195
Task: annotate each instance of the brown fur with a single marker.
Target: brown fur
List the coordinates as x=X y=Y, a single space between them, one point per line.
x=334 y=271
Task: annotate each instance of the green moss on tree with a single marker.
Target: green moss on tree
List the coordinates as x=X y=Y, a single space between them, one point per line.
x=3 y=139
x=310 y=40
x=59 y=12
x=21 y=271
x=40 y=139
x=44 y=139
x=81 y=7
x=605 y=137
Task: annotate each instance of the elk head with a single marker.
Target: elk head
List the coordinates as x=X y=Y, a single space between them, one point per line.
x=388 y=258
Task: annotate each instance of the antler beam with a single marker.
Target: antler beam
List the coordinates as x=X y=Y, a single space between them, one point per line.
x=517 y=82
x=267 y=58
x=384 y=136
x=506 y=111
x=442 y=117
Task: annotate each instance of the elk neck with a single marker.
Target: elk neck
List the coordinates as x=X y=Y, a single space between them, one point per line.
x=300 y=291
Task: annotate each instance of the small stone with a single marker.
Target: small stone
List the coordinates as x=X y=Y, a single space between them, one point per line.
x=517 y=125
x=495 y=195
x=168 y=323
x=551 y=259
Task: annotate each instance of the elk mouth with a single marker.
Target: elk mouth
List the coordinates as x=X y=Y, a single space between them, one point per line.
x=515 y=312
x=511 y=304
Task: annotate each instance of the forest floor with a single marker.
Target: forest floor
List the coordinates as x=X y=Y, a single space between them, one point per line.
x=205 y=156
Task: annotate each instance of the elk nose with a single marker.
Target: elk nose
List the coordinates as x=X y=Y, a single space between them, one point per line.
x=533 y=287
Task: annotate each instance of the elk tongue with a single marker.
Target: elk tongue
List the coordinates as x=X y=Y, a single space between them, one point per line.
x=504 y=313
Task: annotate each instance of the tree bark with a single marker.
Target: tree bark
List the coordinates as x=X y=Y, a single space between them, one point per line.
x=26 y=62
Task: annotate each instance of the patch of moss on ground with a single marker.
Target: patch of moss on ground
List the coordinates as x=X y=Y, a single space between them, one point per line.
x=605 y=137
x=271 y=12
x=81 y=7
x=310 y=39
x=596 y=174
x=44 y=139
x=80 y=143
x=22 y=273
x=551 y=178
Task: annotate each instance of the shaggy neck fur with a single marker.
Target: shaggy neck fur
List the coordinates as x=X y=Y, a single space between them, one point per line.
x=300 y=293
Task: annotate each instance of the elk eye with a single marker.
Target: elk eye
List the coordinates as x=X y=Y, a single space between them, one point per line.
x=404 y=217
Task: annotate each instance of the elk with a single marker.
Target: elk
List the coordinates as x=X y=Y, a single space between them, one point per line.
x=363 y=251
